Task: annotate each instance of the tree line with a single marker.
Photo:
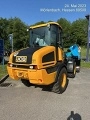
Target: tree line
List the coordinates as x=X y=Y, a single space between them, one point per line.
x=75 y=32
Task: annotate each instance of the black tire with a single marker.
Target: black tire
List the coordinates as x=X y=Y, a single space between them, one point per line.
x=78 y=70
x=61 y=82
x=78 y=65
x=73 y=74
x=26 y=82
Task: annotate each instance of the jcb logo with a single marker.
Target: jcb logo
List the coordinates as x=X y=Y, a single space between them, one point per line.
x=21 y=58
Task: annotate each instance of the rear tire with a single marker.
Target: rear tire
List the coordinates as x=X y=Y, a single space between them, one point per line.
x=73 y=74
x=26 y=82
x=78 y=69
x=61 y=82
x=78 y=65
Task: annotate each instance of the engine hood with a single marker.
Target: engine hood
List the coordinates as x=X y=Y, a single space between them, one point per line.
x=24 y=56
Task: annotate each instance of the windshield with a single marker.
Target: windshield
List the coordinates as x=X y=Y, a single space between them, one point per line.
x=40 y=36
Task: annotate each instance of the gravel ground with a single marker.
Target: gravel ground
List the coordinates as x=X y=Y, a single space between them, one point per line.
x=18 y=102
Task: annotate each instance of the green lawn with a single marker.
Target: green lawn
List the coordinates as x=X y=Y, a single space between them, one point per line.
x=83 y=51
x=83 y=55
x=85 y=64
x=3 y=71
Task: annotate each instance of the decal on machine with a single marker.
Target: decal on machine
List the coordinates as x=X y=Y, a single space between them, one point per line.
x=21 y=58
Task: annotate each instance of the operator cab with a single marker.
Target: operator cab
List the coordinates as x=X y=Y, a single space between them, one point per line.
x=48 y=34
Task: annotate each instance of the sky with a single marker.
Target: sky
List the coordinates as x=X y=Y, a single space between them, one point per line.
x=32 y=11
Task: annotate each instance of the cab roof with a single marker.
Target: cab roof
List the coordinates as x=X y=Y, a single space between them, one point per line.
x=45 y=24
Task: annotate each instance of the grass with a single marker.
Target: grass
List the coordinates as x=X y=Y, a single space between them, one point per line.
x=3 y=70
x=83 y=55
x=83 y=51
x=85 y=64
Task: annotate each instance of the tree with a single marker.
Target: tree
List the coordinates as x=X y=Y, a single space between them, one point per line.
x=79 y=31
x=19 y=30
x=75 y=32
x=38 y=23
x=3 y=30
x=66 y=27
x=20 y=35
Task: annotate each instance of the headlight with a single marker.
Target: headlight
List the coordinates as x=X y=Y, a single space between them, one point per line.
x=33 y=66
x=10 y=65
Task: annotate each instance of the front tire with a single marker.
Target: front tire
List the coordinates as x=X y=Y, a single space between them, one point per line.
x=61 y=82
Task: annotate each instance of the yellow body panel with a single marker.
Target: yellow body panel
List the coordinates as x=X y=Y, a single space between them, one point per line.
x=37 y=57
x=40 y=77
x=60 y=54
x=12 y=73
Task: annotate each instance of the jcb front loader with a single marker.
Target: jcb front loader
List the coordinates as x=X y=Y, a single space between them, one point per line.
x=42 y=63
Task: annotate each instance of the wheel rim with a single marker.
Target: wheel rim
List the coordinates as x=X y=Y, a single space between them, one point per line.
x=63 y=80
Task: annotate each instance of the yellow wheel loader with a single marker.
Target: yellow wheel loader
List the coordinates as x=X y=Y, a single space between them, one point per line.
x=42 y=63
